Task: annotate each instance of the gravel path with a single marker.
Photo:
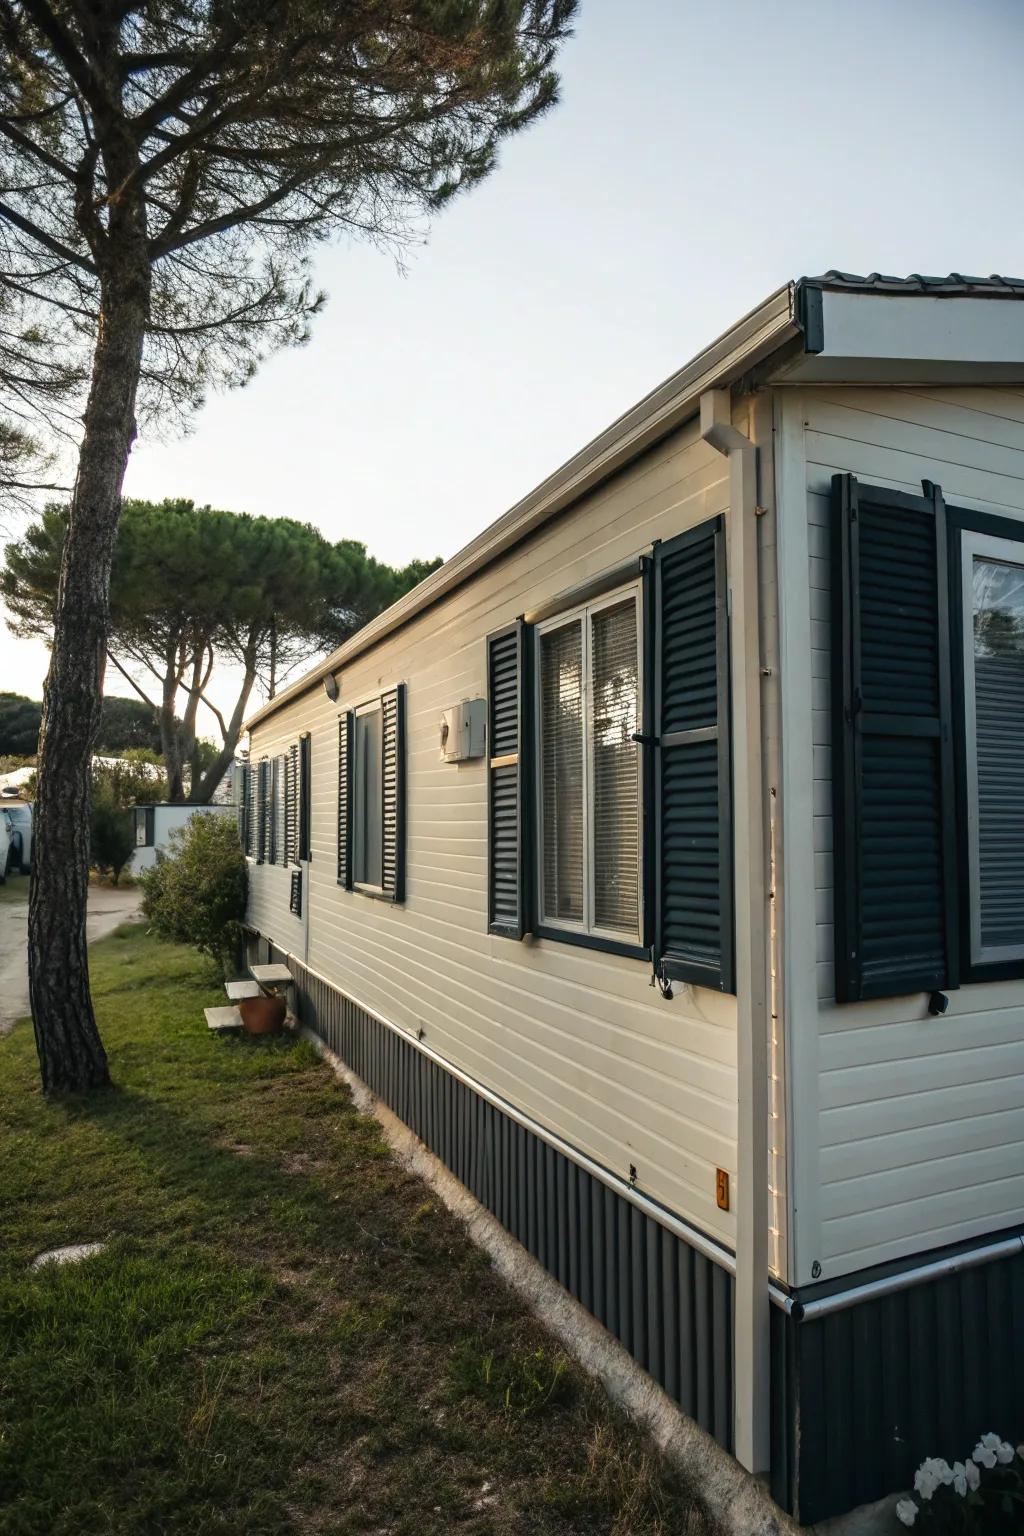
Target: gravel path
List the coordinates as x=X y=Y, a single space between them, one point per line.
x=108 y=909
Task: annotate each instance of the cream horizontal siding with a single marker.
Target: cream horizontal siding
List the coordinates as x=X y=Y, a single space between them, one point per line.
x=918 y=1126
x=575 y=1038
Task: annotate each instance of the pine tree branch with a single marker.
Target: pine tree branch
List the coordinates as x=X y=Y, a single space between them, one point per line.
x=63 y=45
x=26 y=142
x=128 y=678
x=50 y=242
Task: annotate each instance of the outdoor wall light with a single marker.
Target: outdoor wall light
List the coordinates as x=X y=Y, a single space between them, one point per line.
x=331 y=687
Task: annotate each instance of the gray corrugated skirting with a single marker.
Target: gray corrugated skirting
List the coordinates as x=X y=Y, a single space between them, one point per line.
x=670 y=1306
x=863 y=1395
x=859 y=1396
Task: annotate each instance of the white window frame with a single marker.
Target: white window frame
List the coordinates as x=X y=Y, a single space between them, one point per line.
x=1003 y=552
x=582 y=614
x=371 y=707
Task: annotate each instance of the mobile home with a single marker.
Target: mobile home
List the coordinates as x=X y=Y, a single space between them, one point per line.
x=660 y=861
x=153 y=825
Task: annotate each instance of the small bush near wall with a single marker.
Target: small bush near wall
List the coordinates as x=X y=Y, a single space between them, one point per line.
x=196 y=893
x=111 y=833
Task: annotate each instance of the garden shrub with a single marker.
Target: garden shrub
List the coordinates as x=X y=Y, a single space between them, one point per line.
x=195 y=894
x=111 y=833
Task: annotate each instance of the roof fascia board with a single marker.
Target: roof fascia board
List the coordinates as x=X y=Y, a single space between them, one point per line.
x=919 y=336
x=674 y=402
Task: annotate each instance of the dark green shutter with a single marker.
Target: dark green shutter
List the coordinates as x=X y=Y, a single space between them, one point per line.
x=295 y=894
x=240 y=775
x=291 y=804
x=250 y=810
x=892 y=750
x=274 y=831
x=506 y=783
x=305 y=793
x=345 y=735
x=692 y=761
x=393 y=796
x=262 y=811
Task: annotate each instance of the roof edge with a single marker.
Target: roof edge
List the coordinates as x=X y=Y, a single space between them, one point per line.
x=753 y=338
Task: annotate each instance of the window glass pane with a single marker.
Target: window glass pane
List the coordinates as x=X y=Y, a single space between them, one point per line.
x=614 y=755
x=561 y=731
x=367 y=817
x=998 y=595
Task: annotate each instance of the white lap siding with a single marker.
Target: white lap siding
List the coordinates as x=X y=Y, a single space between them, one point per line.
x=909 y=1129
x=575 y=1038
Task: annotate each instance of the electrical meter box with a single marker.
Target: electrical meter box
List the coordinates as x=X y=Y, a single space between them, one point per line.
x=463 y=729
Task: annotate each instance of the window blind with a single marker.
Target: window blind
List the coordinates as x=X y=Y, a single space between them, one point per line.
x=997 y=600
x=613 y=755
x=562 y=810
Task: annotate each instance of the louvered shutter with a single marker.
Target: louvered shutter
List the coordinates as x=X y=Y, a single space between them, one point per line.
x=240 y=775
x=295 y=895
x=264 y=809
x=507 y=883
x=305 y=794
x=393 y=792
x=291 y=804
x=251 y=827
x=892 y=750
x=345 y=733
x=692 y=775
x=276 y=799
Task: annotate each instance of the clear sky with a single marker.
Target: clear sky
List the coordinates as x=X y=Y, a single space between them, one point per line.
x=702 y=154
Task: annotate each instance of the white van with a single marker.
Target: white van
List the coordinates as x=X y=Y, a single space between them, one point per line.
x=9 y=855
x=19 y=813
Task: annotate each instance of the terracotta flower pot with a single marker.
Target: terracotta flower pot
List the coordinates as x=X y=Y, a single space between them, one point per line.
x=262 y=1015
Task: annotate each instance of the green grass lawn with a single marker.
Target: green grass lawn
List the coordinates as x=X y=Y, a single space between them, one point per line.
x=287 y=1332
x=15 y=888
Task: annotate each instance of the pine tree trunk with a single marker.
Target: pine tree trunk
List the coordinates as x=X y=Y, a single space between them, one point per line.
x=71 y=1054
x=170 y=730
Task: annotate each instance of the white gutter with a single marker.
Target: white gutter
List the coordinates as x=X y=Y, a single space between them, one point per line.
x=674 y=402
x=751 y=1402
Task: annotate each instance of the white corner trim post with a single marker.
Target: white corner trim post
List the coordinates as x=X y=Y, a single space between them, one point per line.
x=751 y=1381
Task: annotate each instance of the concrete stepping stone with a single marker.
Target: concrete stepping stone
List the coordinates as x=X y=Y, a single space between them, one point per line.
x=236 y=990
x=223 y=1018
x=72 y=1254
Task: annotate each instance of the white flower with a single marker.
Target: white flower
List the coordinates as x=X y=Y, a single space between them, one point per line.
x=973 y=1476
x=906 y=1511
x=932 y=1474
x=1004 y=1453
x=983 y=1455
x=960 y=1478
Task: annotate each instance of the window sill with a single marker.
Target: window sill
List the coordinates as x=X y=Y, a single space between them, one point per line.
x=629 y=951
x=374 y=892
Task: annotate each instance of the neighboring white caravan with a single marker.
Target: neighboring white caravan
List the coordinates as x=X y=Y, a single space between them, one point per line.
x=155 y=823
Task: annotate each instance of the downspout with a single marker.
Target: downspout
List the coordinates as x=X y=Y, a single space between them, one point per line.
x=751 y=1379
